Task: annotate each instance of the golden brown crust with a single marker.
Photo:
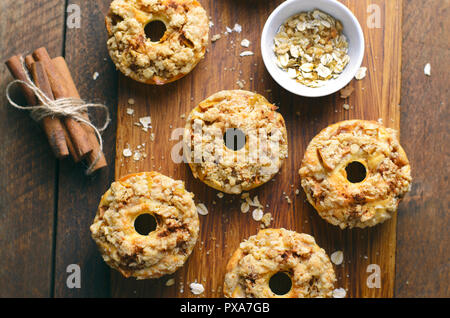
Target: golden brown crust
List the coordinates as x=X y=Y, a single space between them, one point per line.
x=225 y=169
x=360 y=204
x=175 y=55
x=278 y=250
x=162 y=251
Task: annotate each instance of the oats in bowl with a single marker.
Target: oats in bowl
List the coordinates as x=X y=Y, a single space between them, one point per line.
x=311 y=48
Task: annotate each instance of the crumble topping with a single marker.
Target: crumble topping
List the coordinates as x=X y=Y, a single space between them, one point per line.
x=177 y=52
x=163 y=250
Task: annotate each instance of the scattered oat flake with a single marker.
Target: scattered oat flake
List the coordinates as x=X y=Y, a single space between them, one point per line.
x=245 y=195
x=211 y=24
x=228 y=30
x=337 y=257
x=246 y=53
x=427 y=69
x=245 y=207
x=215 y=37
x=197 y=288
x=237 y=28
x=266 y=220
x=361 y=73
x=256 y=202
x=127 y=152
x=145 y=122
x=249 y=201
x=131 y=101
x=220 y=195
x=137 y=156
x=130 y=111
x=245 y=43
x=95 y=76
x=201 y=209
x=339 y=293
x=346 y=106
x=170 y=282
x=257 y=214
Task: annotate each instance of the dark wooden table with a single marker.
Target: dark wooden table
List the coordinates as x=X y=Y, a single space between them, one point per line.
x=46 y=206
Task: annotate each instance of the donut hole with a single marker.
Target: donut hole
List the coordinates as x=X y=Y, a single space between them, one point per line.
x=356 y=172
x=155 y=30
x=146 y=223
x=280 y=283
x=234 y=139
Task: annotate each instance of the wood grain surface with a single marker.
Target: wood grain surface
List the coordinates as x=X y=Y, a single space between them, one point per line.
x=78 y=195
x=375 y=97
x=27 y=167
x=33 y=187
x=423 y=237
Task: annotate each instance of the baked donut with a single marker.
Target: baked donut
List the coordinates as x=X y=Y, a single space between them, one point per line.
x=176 y=53
x=273 y=252
x=354 y=173
x=258 y=141
x=153 y=254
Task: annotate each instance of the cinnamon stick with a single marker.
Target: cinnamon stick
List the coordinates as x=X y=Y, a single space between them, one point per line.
x=52 y=126
x=77 y=134
x=29 y=61
x=61 y=65
x=14 y=65
x=75 y=157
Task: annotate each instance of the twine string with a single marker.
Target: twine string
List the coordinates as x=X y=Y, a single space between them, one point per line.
x=65 y=107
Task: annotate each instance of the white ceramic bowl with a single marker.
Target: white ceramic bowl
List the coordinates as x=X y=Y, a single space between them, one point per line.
x=352 y=30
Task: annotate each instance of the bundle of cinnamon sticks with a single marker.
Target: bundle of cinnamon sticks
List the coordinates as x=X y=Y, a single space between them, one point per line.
x=65 y=135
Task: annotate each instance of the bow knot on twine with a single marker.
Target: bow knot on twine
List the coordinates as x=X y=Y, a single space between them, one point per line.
x=74 y=108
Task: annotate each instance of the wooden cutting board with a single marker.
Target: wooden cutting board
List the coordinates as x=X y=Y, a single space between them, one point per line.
x=375 y=97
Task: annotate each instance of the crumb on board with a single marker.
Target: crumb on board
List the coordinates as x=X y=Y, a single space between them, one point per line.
x=246 y=53
x=361 y=73
x=245 y=43
x=339 y=293
x=257 y=214
x=427 y=69
x=337 y=257
x=245 y=207
x=266 y=220
x=202 y=209
x=196 y=288
x=215 y=37
x=127 y=152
